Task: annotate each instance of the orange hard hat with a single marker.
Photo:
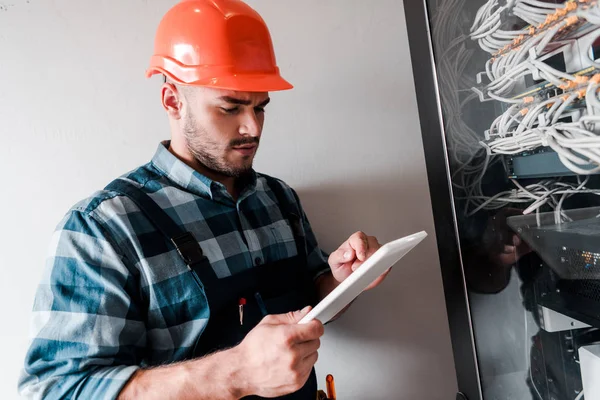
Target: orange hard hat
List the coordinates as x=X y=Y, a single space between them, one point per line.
x=223 y=44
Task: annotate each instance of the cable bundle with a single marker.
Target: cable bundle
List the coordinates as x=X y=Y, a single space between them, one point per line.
x=517 y=53
x=577 y=143
x=454 y=86
x=530 y=121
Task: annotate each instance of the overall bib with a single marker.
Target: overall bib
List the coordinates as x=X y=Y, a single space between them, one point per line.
x=272 y=288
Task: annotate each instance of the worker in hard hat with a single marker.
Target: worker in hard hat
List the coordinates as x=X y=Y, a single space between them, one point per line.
x=185 y=278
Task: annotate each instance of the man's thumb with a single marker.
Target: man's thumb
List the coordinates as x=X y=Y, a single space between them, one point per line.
x=290 y=318
x=296 y=316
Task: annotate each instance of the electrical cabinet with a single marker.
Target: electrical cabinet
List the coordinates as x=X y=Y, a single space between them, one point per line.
x=508 y=95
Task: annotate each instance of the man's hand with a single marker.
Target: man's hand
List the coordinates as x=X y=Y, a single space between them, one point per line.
x=511 y=253
x=274 y=359
x=352 y=254
x=504 y=247
x=278 y=354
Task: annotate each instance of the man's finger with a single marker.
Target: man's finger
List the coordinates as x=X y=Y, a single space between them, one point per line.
x=307 y=348
x=359 y=242
x=516 y=240
x=509 y=249
x=306 y=332
x=342 y=255
x=373 y=245
x=508 y=259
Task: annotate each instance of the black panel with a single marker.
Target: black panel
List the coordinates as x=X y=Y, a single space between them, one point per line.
x=429 y=114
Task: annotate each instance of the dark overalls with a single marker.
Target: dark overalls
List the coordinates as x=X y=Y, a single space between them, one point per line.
x=274 y=288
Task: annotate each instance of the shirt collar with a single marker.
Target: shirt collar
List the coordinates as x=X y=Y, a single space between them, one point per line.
x=183 y=175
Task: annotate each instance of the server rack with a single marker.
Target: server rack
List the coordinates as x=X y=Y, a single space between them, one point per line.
x=508 y=96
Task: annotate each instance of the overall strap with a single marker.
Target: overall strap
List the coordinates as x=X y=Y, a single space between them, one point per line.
x=279 y=192
x=289 y=210
x=186 y=244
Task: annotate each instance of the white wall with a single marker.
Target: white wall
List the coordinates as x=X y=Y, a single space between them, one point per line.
x=76 y=111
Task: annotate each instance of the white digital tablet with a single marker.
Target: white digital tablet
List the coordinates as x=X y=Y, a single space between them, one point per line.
x=384 y=258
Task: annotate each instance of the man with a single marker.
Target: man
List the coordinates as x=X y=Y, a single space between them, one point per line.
x=185 y=278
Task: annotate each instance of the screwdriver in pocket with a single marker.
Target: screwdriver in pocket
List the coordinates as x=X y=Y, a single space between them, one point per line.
x=331 y=395
x=241 y=305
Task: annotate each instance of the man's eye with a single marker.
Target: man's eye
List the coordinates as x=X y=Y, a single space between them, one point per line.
x=259 y=110
x=230 y=110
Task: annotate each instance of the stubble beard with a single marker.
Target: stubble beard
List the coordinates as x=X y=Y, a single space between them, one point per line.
x=206 y=152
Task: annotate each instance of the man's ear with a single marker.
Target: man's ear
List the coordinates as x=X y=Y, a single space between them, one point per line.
x=172 y=100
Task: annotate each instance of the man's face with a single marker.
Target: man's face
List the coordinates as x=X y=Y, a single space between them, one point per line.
x=222 y=128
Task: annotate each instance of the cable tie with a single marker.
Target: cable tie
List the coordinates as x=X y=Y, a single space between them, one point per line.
x=572 y=20
x=571 y=5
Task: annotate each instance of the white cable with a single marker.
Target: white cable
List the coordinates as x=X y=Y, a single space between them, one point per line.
x=590 y=16
x=524 y=13
x=510 y=34
x=492 y=21
x=552 y=71
x=483 y=10
x=548 y=36
x=554 y=108
x=536 y=9
x=542 y=4
x=504 y=99
x=558 y=209
x=563 y=107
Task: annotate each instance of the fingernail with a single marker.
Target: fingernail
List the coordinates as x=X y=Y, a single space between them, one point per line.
x=305 y=309
x=354 y=268
x=346 y=255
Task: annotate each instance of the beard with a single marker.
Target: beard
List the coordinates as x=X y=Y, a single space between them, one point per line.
x=210 y=154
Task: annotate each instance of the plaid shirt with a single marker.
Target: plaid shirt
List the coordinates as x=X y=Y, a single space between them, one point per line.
x=115 y=298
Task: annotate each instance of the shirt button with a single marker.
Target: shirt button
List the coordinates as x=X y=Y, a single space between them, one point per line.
x=258 y=261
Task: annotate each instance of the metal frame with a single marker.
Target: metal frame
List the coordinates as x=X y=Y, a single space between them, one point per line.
x=436 y=160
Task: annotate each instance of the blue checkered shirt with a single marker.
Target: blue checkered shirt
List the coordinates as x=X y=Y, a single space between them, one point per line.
x=115 y=298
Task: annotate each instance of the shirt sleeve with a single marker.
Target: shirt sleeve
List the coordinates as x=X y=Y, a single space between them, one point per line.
x=87 y=336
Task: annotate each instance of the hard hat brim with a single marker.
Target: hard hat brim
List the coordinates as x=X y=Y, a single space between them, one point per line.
x=239 y=82
x=251 y=83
